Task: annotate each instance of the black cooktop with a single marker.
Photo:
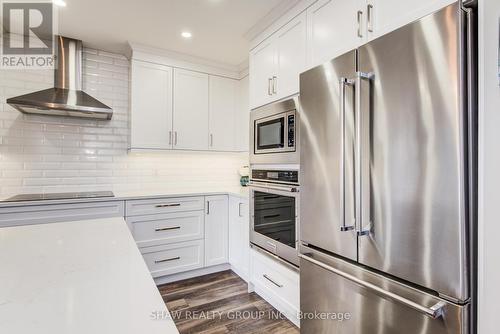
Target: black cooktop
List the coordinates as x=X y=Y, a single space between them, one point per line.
x=54 y=196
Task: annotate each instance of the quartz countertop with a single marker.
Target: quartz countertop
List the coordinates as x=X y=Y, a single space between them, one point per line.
x=79 y=278
x=182 y=191
x=239 y=191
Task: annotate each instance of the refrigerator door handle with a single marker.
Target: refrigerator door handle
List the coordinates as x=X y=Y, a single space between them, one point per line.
x=360 y=172
x=343 y=83
x=435 y=311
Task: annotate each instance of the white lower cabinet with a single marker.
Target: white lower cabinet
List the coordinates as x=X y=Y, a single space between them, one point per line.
x=277 y=283
x=173 y=258
x=167 y=228
x=216 y=230
x=180 y=234
x=239 y=244
x=140 y=207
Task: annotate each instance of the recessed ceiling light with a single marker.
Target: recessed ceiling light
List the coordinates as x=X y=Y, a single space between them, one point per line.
x=59 y=3
x=186 y=34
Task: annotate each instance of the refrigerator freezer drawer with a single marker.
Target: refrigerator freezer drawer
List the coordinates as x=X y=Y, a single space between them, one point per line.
x=339 y=297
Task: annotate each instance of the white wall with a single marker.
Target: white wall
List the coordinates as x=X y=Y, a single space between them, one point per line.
x=489 y=167
x=43 y=153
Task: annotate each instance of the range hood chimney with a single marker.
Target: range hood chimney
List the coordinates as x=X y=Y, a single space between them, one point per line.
x=67 y=97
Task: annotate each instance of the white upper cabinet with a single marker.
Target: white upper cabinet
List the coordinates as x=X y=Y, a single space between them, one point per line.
x=262 y=66
x=338 y=26
x=324 y=30
x=151 y=106
x=223 y=111
x=190 y=116
x=275 y=64
x=384 y=16
x=216 y=230
x=242 y=119
x=291 y=41
x=334 y=27
x=180 y=109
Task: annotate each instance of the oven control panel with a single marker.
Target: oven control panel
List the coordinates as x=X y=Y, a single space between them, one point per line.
x=286 y=176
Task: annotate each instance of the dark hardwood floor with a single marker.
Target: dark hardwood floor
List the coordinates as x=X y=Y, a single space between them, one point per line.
x=219 y=303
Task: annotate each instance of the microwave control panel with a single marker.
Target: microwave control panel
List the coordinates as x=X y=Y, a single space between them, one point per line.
x=291 y=130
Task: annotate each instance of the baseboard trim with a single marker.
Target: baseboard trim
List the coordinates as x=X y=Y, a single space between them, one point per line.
x=244 y=275
x=191 y=274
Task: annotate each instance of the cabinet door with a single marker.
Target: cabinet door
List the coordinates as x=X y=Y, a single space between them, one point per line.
x=291 y=47
x=222 y=113
x=151 y=106
x=384 y=16
x=239 y=244
x=190 y=114
x=333 y=28
x=216 y=230
x=262 y=67
x=242 y=119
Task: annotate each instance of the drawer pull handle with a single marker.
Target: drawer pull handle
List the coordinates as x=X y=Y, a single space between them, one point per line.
x=167 y=205
x=167 y=228
x=272 y=281
x=167 y=260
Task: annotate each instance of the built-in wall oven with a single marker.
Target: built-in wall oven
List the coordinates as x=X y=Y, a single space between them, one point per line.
x=274 y=212
x=274 y=133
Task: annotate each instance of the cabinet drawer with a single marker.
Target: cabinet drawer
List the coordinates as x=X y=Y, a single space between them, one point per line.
x=164 y=205
x=54 y=213
x=276 y=278
x=167 y=228
x=175 y=258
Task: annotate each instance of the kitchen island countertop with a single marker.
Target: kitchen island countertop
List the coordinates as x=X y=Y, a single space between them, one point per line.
x=79 y=277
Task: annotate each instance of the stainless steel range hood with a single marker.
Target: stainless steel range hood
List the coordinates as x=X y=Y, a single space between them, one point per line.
x=67 y=97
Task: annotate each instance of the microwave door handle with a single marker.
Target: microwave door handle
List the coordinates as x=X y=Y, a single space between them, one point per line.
x=343 y=83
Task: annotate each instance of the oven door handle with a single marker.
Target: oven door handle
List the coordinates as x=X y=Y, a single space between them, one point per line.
x=272 y=187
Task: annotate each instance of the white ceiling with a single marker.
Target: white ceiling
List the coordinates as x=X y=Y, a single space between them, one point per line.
x=218 y=26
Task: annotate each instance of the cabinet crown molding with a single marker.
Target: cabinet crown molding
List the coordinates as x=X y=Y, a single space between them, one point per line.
x=275 y=20
x=137 y=51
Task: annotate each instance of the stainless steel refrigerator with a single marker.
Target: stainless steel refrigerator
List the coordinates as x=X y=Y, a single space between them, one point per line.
x=388 y=183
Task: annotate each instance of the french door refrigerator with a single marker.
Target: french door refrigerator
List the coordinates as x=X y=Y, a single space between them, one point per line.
x=387 y=183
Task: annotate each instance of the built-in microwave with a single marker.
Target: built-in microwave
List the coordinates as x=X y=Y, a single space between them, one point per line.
x=274 y=133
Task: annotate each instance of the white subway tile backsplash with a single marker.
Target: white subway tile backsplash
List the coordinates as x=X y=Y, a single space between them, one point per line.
x=51 y=154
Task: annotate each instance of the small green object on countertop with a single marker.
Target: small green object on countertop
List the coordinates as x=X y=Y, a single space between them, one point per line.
x=244 y=181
